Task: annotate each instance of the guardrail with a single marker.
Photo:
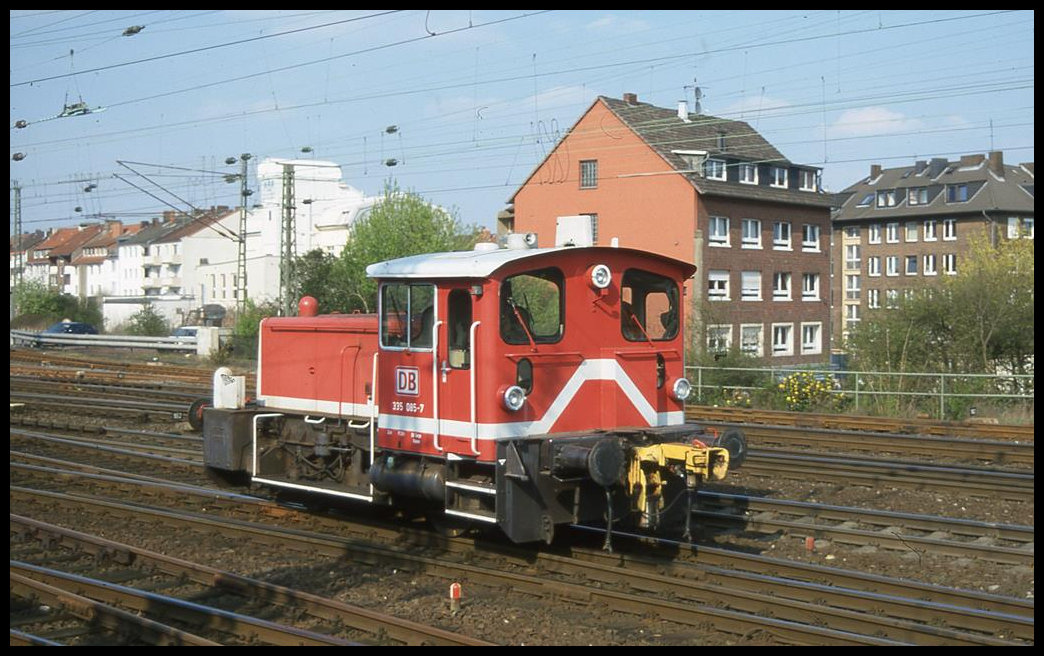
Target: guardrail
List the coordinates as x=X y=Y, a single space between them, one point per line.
x=40 y=340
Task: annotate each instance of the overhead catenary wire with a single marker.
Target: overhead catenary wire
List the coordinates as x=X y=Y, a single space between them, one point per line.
x=448 y=155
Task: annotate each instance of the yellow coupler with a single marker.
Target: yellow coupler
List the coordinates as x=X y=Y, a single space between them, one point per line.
x=652 y=465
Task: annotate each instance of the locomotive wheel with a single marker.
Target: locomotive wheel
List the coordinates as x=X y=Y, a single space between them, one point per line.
x=735 y=441
x=195 y=413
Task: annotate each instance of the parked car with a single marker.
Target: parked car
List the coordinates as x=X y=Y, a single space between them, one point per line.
x=71 y=328
x=187 y=332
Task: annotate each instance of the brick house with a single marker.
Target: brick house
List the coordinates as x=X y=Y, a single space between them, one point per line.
x=901 y=229
x=706 y=190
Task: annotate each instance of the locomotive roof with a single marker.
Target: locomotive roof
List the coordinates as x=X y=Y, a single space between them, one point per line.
x=483 y=263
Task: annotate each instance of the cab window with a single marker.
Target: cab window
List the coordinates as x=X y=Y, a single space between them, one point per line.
x=650 y=306
x=532 y=307
x=407 y=315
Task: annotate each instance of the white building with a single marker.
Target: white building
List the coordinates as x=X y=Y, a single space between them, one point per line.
x=325 y=208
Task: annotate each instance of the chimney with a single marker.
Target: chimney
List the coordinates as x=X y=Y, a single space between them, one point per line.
x=631 y=98
x=996 y=163
x=936 y=166
x=875 y=171
x=683 y=110
x=971 y=160
x=920 y=166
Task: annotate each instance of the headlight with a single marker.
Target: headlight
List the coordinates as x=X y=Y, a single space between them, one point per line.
x=513 y=398
x=681 y=389
x=601 y=276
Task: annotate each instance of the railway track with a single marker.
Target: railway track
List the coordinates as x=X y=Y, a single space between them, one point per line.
x=194 y=595
x=746 y=579
x=957 y=449
x=795 y=611
x=866 y=424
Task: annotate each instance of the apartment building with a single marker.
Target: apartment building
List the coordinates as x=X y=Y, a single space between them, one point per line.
x=902 y=229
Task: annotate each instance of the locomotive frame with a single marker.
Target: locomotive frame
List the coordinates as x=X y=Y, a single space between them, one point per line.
x=524 y=388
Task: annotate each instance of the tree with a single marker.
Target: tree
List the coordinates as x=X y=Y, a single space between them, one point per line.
x=148 y=322
x=38 y=305
x=318 y=274
x=979 y=321
x=399 y=225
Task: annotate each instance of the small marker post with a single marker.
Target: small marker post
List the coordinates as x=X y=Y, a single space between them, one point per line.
x=454 y=595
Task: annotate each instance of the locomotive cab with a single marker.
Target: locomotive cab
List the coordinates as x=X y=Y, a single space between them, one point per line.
x=518 y=388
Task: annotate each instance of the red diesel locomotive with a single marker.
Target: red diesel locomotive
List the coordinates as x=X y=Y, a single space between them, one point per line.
x=524 y=388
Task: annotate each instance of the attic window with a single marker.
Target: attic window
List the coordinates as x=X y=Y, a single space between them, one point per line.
x=714 y=169
x=721 y=142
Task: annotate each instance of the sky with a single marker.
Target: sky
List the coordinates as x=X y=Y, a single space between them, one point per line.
x=460 y=106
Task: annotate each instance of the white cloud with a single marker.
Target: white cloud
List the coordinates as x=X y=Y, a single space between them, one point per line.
x=873 y=121
x=750 y=108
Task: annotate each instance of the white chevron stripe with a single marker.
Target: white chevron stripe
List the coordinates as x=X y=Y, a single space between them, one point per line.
x=589 y=370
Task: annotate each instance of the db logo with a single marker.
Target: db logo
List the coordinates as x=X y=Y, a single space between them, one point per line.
x=406 y=381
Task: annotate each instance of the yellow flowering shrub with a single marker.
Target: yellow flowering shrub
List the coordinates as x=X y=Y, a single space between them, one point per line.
x=802 y=391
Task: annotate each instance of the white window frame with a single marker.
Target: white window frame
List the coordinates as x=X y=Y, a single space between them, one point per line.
x=891 y=299
x=873 y=266
x=807 y=180
x=873 y=232
x=929 y=265
x=892 y=232
x=873 y=299
x=748 y=173
x=751 y=242
x=886 y=198
x=949 y=229
x=714 y=232
x=1013 y=227
x=930 y=233
x=714 y=169
x=810 y=287
x=747 y=328
x=748 y=290
x=910 y=266
x=810 y=237
x=778 y=177
x=1020 y=227
x=892 y=265
x=917 y=196
x=811 y=338
x=722 y=278
x=782 y=237
x=853 y=287
x=853 y=257
x=851 y=314
x=949 y=264
x=716 y=332
x=782 y=339
x=781 y=286
x=911 y=231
